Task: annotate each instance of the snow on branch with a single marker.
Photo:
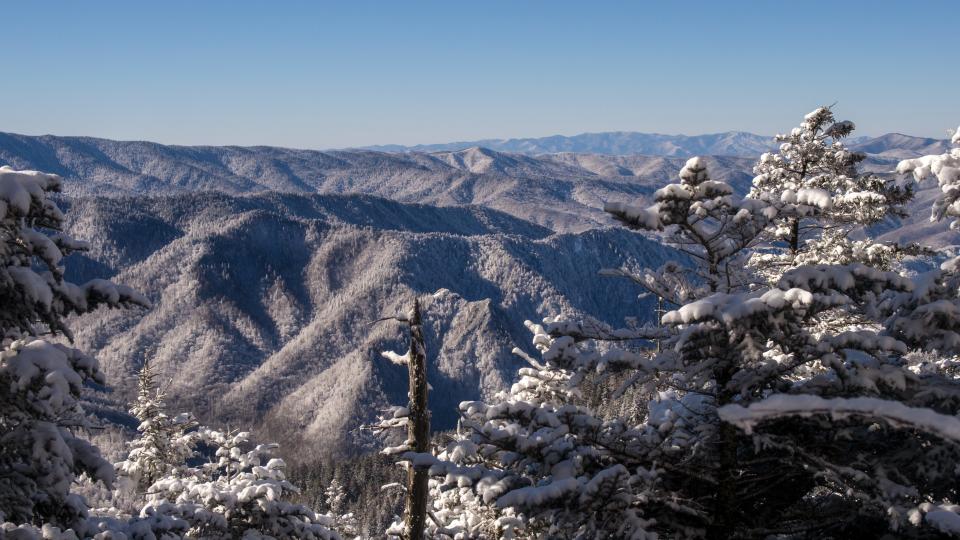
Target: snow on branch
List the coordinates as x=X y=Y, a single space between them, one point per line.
x=844 y=278
x=399 y=359
x=946 y=169
x=730 y=308
x=893 y=412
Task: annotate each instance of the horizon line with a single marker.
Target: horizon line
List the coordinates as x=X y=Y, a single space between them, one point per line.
x=413 y=147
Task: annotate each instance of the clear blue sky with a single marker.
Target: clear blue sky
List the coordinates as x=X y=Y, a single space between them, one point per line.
x=321 y=75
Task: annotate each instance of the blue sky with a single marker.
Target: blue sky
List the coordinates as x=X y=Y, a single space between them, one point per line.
x=322 y=75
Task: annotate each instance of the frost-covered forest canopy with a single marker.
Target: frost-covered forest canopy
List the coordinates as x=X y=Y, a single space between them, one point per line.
x=209 y=342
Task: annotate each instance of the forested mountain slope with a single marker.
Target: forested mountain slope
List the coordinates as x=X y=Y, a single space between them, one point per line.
x=263 y=304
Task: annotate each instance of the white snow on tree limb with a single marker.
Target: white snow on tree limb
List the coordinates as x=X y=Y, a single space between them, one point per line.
x=946 y=168
x=895 y=413
x=399 y=359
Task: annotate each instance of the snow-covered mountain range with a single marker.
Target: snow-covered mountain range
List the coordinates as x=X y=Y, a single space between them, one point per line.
x=562 y=191
x=264 y=304
x=267 y=265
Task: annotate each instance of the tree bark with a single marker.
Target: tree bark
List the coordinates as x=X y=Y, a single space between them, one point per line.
x=418 y=429
x=794 y=236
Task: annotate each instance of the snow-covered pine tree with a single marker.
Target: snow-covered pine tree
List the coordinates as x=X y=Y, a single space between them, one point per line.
x=875 y=419
x=345 y=522
x=803 y=477
x=821 y=197
x=536 y=463
x=704 y=219
x=542 y=460
x=41 y=453
x=732 y=349
x=336 y=497
x=163 y=443
x=825 y=456
x=241 y=493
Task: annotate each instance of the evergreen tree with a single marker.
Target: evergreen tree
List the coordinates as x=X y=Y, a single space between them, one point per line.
x=703 y=219
x=163 y=443
x=241 y=493
x=41 y=453
x=820 y=197
x=337 y=507
x=336 y=498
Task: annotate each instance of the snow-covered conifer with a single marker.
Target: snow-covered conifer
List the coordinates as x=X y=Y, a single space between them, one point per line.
x=873 y=423
x=820 y=196
x=705 y=220
x=41 y=453
x=36 y=298
x=163 y=443
x=756 y=420
x=241 y=493
x=336 y=497
x=842 y=431
x=534 y=463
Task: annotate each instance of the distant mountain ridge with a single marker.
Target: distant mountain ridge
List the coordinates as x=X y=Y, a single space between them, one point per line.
x=621 y=143
x=563 y=191
x=900 y=146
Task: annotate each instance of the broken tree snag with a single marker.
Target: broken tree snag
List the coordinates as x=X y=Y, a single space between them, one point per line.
x=418 y=428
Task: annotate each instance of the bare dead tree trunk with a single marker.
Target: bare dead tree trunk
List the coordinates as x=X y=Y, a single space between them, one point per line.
x=794 y=236
x=660 y=312
x=418 y=429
